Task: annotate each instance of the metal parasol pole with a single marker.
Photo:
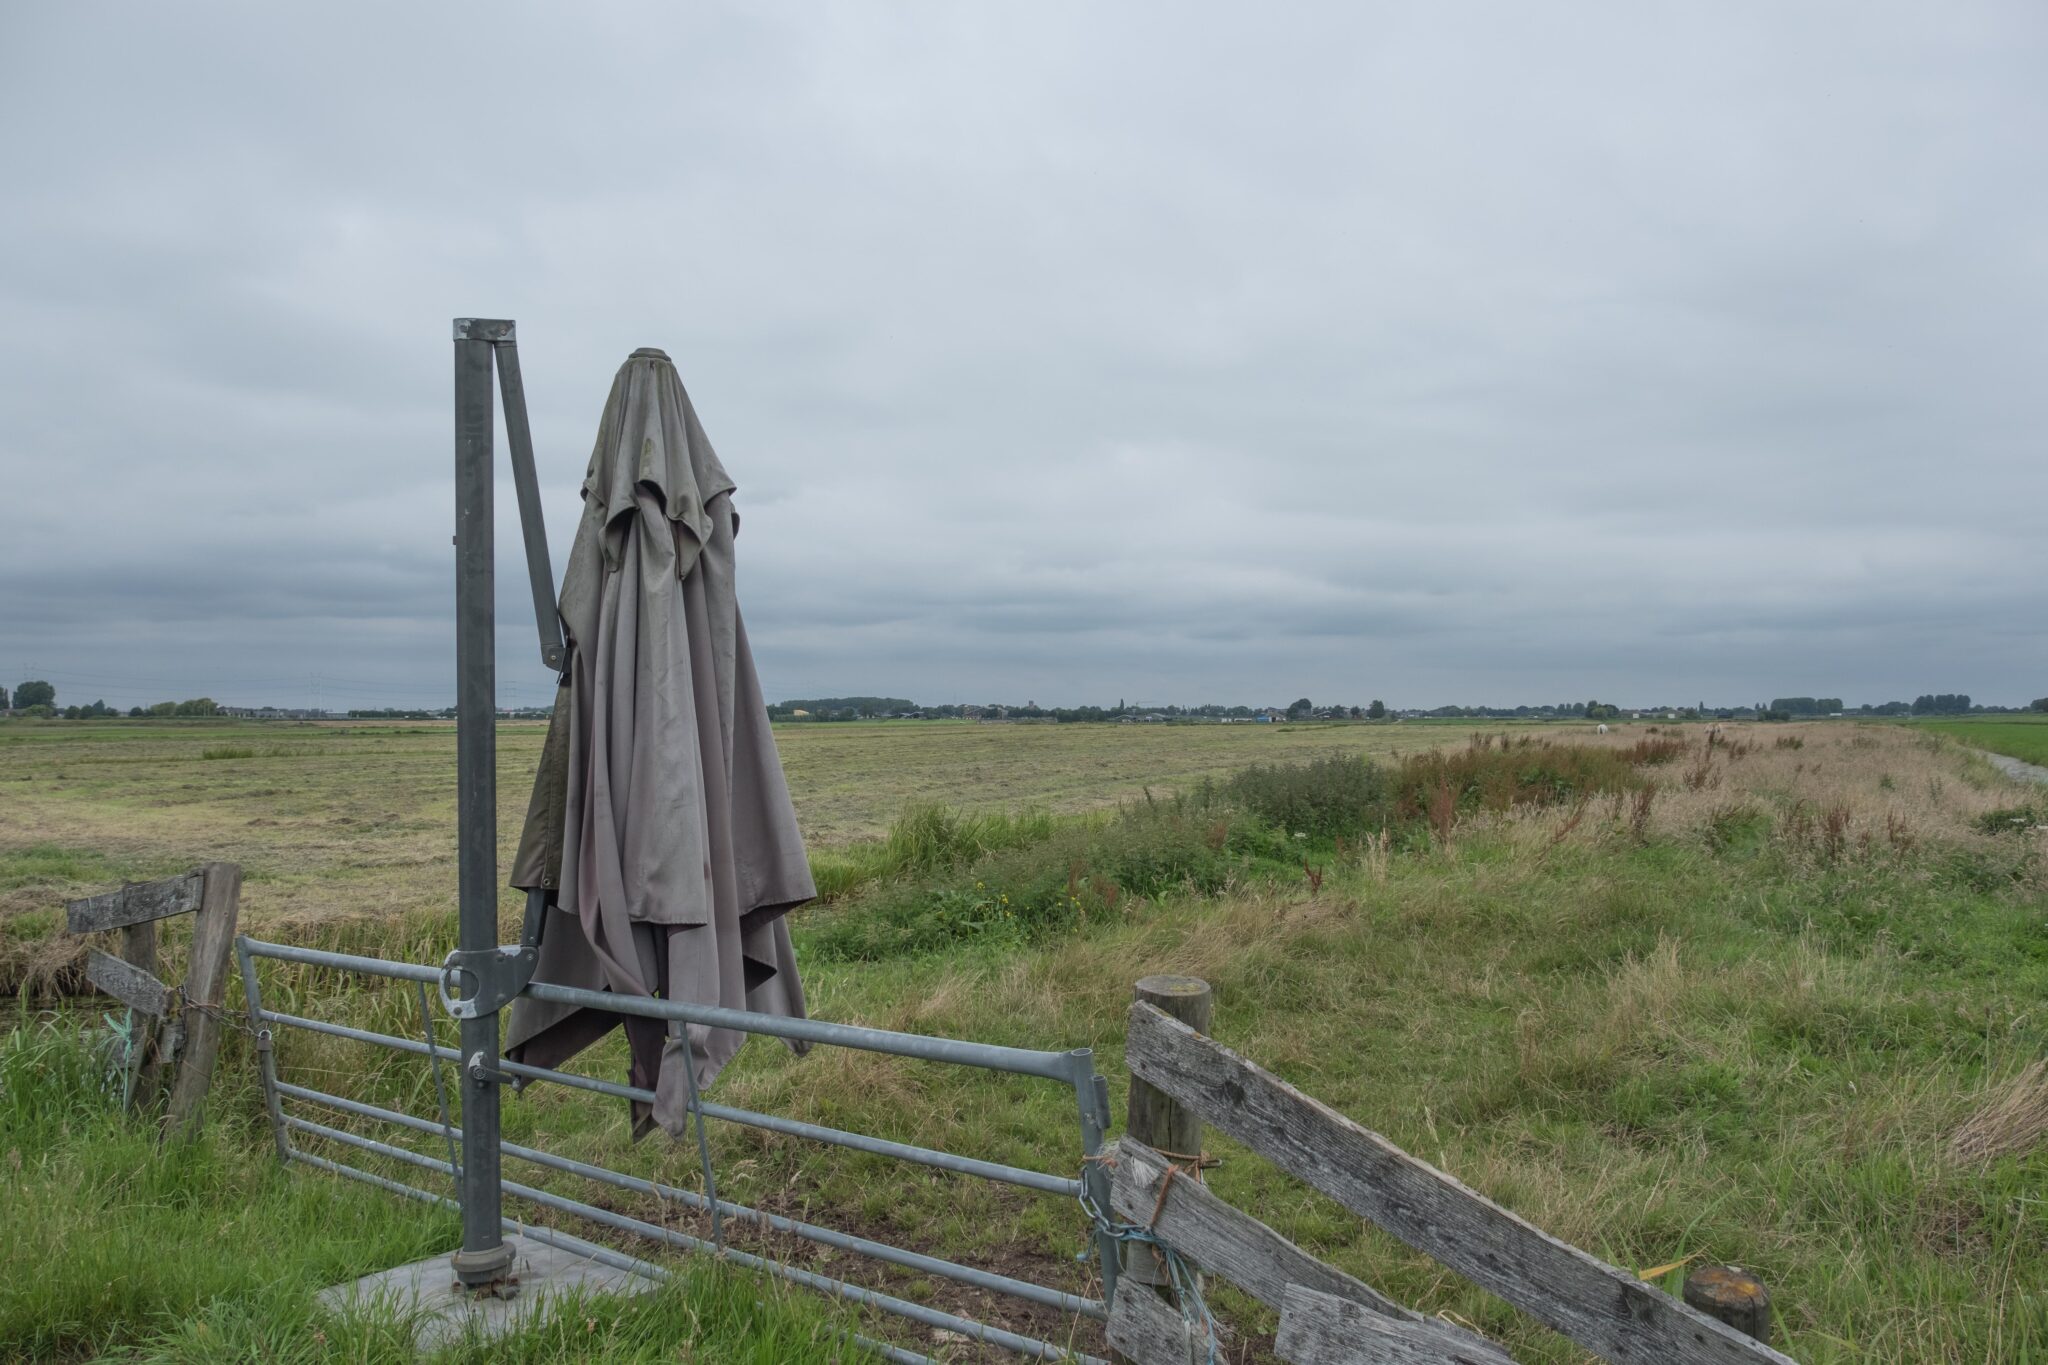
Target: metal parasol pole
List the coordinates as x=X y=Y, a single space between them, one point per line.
x=485 y=1259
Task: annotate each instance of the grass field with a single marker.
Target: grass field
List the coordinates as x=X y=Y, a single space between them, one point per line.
x=1745 y=1017
x=346 y=821
x=2021 y=737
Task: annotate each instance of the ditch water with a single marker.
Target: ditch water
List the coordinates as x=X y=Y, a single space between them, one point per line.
x=2018 y=768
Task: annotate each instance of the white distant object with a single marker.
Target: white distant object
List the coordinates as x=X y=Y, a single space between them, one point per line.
x=1599 y=729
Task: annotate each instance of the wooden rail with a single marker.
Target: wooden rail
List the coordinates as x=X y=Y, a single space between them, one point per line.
x=1232 y=1244
x=1607 y=1310
x=136 y=903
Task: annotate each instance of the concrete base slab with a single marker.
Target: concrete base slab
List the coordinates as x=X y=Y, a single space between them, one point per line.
x=427 y=1287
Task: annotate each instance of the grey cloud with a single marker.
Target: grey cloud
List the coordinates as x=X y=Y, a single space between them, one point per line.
x=1180 y=352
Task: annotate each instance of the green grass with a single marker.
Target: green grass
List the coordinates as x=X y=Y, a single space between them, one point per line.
x=120 y=1250
x=2021 y=737
x=1714 y=1033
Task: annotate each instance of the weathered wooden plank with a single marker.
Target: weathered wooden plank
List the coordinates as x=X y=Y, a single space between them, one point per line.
x=1224 y=1240
x=1604 y=1309
x=1147 y=1330
x=135 y=903
x=1229 y=1242
x=213 y=934
x=138 y=950
x=1322 y=1329
x=130 y=985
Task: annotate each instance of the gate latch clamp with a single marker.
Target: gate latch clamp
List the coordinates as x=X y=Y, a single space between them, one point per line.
x=491 y=979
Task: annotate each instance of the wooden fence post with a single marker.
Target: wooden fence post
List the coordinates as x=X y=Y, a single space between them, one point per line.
x=213 y=934
x=145 y=1066
x=1156 y=1118
x=1730 y=1294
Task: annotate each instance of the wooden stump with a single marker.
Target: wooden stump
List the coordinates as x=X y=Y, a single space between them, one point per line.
x=1730 y=1294
x=1155 y=1119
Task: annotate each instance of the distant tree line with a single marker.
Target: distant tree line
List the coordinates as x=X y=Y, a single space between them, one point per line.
x=198 y=708
x=841 y=708
x=1807 y=706
x=1302 y=709
x=38 y=698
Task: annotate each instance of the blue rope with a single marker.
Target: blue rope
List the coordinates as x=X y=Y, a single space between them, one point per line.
x=1182 y=1278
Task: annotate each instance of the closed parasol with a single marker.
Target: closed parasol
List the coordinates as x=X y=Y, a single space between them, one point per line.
x=660 y=827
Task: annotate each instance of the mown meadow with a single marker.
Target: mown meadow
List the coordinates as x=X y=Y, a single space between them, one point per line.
x=2021 y=737
x=1772 y=999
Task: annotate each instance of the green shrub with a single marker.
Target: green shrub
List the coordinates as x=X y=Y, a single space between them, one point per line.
x=943 y=878
x=928 y=835
x=1981 y=871
x=1526 y=773
x=1736 y=827
x=1663 y=749
x=2011 y=819
x=1153 y=851
x=1341 y=795
x=1013 y=896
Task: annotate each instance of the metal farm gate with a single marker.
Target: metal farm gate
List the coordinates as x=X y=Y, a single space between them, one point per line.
x=291 y=1107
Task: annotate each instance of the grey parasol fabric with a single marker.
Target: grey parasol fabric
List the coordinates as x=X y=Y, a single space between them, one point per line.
x=660 y=824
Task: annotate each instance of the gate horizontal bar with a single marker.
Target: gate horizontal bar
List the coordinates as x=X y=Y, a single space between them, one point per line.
x=838 y=1137
x=991 y=1056
x=916 y=1312
x=347 y=962
x=881 y=1251
x=564 y=1241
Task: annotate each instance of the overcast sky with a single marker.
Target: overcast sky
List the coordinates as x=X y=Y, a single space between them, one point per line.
x=1438 y=353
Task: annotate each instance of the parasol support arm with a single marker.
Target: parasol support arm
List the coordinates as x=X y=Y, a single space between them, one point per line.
x=540 y=573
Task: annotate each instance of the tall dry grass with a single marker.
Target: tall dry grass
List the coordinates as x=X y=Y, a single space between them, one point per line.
x=1831 y=790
